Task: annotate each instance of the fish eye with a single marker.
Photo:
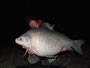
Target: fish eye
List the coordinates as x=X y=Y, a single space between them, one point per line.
x=21 y=39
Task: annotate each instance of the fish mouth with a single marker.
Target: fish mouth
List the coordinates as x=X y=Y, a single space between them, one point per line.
x=16 y=40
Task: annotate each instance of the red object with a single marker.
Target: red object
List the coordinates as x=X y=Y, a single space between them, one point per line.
x=39 y=22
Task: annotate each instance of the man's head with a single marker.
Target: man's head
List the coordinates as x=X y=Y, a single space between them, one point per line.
x=31 y=21
x=33 y=24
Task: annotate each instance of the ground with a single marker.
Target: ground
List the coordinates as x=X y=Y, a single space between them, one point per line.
x=13 y=56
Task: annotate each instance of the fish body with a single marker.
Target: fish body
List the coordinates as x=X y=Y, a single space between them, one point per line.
x=47 y=43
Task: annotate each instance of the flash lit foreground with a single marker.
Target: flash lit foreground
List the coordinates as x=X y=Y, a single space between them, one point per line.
x=12 y=57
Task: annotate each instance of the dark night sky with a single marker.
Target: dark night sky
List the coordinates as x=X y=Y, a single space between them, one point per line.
x=70 y=18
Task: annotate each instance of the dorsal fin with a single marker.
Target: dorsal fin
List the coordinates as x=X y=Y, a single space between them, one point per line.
x=47 y=26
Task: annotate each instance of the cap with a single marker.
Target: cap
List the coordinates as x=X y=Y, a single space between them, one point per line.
x=29 y=18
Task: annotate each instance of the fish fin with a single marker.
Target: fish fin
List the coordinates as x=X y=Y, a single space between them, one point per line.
x=51 y=60
x=77 y=46
x=51 y=27
x=25 y=52
x=48 y=26
x=50 y=57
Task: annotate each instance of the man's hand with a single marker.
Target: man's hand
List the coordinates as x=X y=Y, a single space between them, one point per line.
x=30 y=51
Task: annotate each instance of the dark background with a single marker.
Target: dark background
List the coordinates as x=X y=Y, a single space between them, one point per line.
x=69 y=17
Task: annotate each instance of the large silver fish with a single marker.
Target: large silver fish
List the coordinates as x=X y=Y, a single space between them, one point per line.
x=47 y=43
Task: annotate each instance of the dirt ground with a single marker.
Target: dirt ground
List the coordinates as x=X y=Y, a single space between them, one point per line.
x=13 y=56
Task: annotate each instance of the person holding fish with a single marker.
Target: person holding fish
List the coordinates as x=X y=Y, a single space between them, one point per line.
x=33 y=22
x=36 y=23
x=46 y=47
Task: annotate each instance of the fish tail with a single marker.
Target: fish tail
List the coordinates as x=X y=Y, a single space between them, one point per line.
x=77 y=46
x=25 y=52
